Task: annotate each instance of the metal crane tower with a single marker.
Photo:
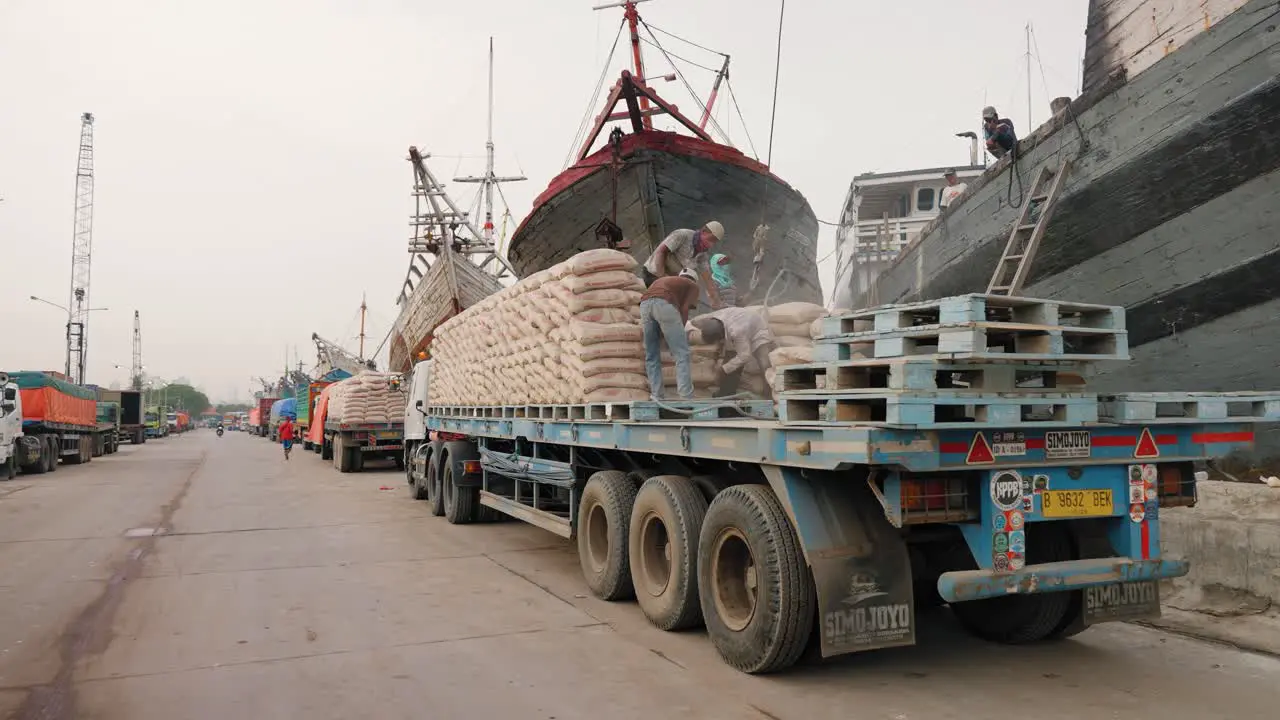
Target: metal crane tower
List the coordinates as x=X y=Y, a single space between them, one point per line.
x=81 y=256
x=137 y=352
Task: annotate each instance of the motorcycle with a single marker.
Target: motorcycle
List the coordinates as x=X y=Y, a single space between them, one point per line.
x=219 y=432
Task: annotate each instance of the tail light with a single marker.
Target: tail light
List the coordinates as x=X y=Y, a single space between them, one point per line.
x=1176 y=486
x=936 y=498
x=471 y=467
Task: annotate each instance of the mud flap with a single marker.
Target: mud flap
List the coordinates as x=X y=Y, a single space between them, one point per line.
x=860 y=564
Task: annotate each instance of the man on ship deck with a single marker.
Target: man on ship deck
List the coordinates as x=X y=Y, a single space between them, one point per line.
x=687 y=250
x=998 y=131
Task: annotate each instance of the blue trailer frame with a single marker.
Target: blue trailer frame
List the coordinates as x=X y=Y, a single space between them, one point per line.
x=845 y=489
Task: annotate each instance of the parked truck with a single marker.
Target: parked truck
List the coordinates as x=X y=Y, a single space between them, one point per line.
x=132 y=427
x=262 y=427
x=10 y=427
x=350 y=439
x=107 y=440
x=51 y=420
x=875 y=485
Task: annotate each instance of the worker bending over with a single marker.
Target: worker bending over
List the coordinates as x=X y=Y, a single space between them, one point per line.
x=686 y=250
x=664 y=309
x=746 y=335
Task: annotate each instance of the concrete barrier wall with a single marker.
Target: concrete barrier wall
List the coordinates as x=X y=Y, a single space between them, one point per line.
x=1232 y=538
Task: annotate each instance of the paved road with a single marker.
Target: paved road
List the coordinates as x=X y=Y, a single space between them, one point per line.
x=289 y=591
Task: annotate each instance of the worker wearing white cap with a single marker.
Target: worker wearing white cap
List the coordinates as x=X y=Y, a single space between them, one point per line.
x=687 y=250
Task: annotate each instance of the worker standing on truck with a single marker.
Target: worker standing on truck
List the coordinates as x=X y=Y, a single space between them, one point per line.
x=664 y=309
x=746 y=334
x=687 y=250
x=286 y=435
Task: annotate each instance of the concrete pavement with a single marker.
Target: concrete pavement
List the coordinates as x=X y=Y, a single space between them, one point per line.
x=286 y=590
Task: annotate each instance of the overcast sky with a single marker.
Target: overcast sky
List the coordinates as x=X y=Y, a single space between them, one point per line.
x=251 y=180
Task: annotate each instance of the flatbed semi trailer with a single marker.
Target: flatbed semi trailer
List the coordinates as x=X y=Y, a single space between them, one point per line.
x=350 y=445
x=834 y=522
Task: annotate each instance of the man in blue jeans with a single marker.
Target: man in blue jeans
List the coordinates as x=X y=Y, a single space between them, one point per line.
x=664 y=309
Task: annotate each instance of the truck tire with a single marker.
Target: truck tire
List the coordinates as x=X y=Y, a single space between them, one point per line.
x=435 y=494
x=52 y=449
x=10 y=468
x=326 y=450
x=663 y=546
x=355 y=458
x=604 y=523
x=710 y=485
x=1020 y=619
x=460 y=503
x=759 y=621
x=418 y=489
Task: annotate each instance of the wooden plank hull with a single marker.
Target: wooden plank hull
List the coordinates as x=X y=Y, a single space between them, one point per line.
x=668 y=182
x=452 y=285
x=1170 y=210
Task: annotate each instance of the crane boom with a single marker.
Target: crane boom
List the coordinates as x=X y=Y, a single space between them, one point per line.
x=81 y=257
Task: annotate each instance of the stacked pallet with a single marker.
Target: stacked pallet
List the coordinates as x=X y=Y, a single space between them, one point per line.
x=959 y=361
x=569 y=334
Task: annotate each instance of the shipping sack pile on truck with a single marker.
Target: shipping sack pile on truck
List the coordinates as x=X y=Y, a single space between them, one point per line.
x=361 y=418
x=571 y=334
x=945 y=451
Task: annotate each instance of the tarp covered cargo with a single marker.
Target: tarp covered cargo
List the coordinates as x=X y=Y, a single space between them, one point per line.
x=255 y=417
x=52 y=400
x=335 y=375
x=315 y=434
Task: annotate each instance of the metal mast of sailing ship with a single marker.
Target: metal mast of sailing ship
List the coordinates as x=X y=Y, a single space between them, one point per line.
x=437 y=218
x=489 y=181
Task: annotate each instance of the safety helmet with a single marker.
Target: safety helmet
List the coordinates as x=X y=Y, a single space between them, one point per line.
x=989 y=113
x=687 y=273
x=715 y=228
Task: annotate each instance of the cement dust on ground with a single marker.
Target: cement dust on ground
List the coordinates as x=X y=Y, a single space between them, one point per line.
x=288 y=590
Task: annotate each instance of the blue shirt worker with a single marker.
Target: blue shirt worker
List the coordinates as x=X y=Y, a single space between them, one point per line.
x=998 y=132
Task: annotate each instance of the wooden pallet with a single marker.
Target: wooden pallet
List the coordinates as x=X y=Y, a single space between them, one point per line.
x=915 y=373
x=977 y=308
x=639 y=410
x=1189 y=407
x=940 y=409
x=980 y=340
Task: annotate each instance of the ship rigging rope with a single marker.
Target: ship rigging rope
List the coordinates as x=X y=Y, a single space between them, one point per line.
x=670 y=55
x=688 y=88
x=685 y=41
x=586 y=117
x=728 y=84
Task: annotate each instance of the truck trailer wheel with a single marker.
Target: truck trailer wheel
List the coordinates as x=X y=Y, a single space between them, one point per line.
x=338 y=454
x=604 y=521
x=418 y=489
x=460 y=503
x=52 y=448
x=663 y=546
x=10 y=468
x=755 y=587
x=1019 y=619
x=435 y=494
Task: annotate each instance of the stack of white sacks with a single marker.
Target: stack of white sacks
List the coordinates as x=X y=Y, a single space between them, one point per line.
x=569 y=334
x=795 y=325
x=366 y=398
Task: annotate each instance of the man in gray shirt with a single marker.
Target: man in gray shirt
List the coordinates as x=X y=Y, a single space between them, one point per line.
x=687 y=250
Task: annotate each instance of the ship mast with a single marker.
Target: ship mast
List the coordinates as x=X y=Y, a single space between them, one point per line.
x=633 y=26
x=489 y=180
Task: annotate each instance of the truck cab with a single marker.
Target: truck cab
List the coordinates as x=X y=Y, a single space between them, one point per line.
x=415 y=410
x=10 y=426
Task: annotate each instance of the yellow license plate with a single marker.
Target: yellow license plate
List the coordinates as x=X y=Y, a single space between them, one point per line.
x=1075 y=503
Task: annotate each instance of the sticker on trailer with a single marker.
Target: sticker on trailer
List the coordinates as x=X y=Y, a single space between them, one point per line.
x=1000 y=542
x=998 y=522
x=1000 y=563
x=1015 y=520
x=1006 y=489
x=1137 y=494
x=1067 y=444
x=1017 y=562
x=1149 y=474
x=1018 y=541
x=1009 y=443
x=1040 y=484
x=1137 y=513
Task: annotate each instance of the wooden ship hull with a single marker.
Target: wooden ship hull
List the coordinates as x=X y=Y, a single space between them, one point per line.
x=1169 y=209
x=451 y=285
x=663 y=182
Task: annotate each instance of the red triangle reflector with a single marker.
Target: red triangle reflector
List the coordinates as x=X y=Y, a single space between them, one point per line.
x=1147 y=447
x=979 y=451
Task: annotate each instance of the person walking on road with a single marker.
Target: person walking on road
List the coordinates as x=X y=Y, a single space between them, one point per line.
x=286 y=435
x=664 y=309
x=687 y=250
